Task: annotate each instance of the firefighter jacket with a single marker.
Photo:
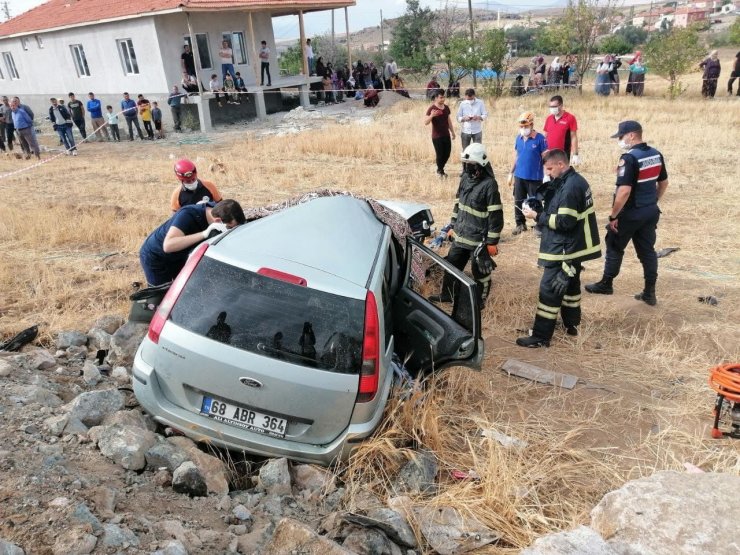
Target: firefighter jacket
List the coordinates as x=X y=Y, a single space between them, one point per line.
x=569 y=229
x=478 y=215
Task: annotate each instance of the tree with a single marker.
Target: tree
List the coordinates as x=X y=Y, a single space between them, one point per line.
x=524 y=38
x=672 y=54
x=633 y=35
x=412 y=38
x=735 y=32
x=452 y=44
x=494 y=51
x=291 y=61
x=614 y=44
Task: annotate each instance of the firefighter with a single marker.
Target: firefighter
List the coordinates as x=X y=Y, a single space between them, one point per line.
x=477 y=221
x=191 y=190
x=569 y=236
x=642 y=180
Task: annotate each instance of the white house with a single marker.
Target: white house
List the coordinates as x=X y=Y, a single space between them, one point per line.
x=135 y=46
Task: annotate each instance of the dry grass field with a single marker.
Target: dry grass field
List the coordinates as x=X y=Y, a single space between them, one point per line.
x=70 y=232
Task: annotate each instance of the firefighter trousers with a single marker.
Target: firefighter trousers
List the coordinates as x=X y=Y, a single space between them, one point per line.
x=568 y=305
x=458 y=257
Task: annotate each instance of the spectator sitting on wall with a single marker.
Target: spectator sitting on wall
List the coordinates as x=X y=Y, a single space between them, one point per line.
x=215 y=87
x=240 y=87
x=399 y=86
x=517 y=86
x=189 y=83
x=230 y=90
x=432 y=87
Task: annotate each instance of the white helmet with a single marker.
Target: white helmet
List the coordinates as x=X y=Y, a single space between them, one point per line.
x=475 y=153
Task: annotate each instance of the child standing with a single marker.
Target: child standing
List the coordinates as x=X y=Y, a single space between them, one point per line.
x=157 y=119
x=112 y=118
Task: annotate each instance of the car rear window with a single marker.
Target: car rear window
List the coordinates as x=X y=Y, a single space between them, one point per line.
x=272 y=318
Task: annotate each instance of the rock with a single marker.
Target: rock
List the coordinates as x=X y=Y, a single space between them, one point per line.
x=242 y=513
x=74 y=426
x=76 y=353
x=367 y=541
x=104 y=499
x=126 y=445
x=109 y=323
x=165 y=455
x=188 y=479
x=124 y=343
x=581 y=541
x=58 y=503
x=450 y=533
x=671 y=512
x=98 y=340
x=6 y=368
x=91 y=374
x=419 y=474
x=83 y=515
x=238 y=529
x=212 y=468
x=172 y=529
x=172 y=547
x=394 y=525
x=133 y=418
x=74 y=542
x=7 y=548
x=314 y=478
x=67 y=339
x=92 y=406
x=42 y=396
x=40 y=359
x=162 y=478
x=120 y=374
x=56 y=424
x=275 y=477
x=292 y=536
x=114 y=536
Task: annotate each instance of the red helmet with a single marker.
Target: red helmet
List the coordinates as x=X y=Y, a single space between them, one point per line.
x=185 y=170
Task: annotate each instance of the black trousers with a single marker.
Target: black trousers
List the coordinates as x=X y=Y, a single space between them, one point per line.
x=265 y=68
x=731 y=82
x=523 y=188
x=458 y=257
x=135 y=122
x=442 y=148
x=639 y=226
x=568 y=305
x=149 y=129
x=115 y=131
x=80 y=123
x=10 y=135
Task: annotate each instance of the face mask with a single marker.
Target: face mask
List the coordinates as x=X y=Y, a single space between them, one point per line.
x=524 y=131
x=554 y=111
x=623 y=145
x=190 y=186
x=472 y=170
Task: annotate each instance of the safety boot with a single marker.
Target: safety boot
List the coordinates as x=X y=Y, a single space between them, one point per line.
x=603 y=287
x=648 y=295
x=532 y=341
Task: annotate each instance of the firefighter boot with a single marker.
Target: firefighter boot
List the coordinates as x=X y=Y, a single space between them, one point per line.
x=603 y=287
x=648 y=295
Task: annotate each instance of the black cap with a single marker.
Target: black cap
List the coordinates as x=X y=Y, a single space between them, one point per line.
x=625 y=127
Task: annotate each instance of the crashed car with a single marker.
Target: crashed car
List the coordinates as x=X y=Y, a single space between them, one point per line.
x=280 y=337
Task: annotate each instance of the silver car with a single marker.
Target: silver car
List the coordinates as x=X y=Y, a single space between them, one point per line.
x=280 y=337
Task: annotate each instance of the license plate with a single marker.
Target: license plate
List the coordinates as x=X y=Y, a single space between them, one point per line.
x=243 y=418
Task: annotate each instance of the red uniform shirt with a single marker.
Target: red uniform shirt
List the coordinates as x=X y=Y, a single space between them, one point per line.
x=559 y=130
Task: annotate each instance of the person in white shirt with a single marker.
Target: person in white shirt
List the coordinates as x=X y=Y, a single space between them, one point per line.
x=471 y=113
x=265 y=64
x=227 y=60
x=215 y=87
x=394 y=67
x=309 y=57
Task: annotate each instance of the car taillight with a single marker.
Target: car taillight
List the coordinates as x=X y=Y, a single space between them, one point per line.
x=370 y=370
x=165 y=307
x=282 y=276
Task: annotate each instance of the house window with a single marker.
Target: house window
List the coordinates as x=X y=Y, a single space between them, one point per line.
x=78 y=56
x=236 y=41
x=128 y=56
x=10 y=64
x=24 y=43
x=39 y=41
x=204 y=50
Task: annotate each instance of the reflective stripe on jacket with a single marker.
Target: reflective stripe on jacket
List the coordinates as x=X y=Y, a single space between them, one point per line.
x=570 y=231
x=478 y=215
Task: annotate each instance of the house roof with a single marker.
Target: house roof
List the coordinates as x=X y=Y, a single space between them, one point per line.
x=690 y=11
x=56 y=14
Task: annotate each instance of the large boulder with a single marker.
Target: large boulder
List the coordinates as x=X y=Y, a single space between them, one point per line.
x=67 y=339
x=99 y=339
x=116 y=537
x=40 y=359
x=314 y=479
x=126 y=445
x=92 y=406
x=671 y=512
x=90 y=374
x=212 y=468
x=125 y=342
x=581 y=541
x=188 y=479
x=165 y=455
x=7 y=548
x=109 y=323
x=74 y=541
x=292 y=536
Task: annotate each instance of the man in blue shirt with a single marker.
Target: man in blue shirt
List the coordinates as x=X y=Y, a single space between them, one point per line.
x=165 y=252
x=23 y=123
x=526 y=172
x=96 y=117
x=131 y=113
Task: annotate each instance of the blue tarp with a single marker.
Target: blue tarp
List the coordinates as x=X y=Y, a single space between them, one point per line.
x=479 y=73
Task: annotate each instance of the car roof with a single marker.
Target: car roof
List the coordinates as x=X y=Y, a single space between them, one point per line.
x=335 y=235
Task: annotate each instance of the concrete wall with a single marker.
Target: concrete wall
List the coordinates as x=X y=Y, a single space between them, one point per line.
x=173 y=28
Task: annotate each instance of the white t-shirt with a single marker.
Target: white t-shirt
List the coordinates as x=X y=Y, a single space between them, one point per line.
x=58 y=119
x=309 y=51
x=214 y=85
x=226 y=55
x=264 y=54
x=112 y=118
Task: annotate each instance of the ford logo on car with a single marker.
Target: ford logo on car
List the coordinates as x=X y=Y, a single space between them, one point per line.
x=250 y=382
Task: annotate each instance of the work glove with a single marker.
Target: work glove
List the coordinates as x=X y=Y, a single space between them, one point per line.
x=215 y=228
x=492 y=250
x=510 y=180
x=575 y=160
x=561 y=281
x=546 y=179
x=483 y=260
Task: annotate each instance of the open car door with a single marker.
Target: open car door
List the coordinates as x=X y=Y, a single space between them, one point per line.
x=429 y=336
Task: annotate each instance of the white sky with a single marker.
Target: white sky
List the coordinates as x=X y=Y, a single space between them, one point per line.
x=365 y=14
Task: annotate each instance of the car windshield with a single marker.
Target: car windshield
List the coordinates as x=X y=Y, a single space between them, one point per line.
x=272 y=318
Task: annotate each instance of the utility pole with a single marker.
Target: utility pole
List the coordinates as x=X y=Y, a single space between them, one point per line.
x=6 y=10
x=332 y=32
x=382 y=36
x=472 y=37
